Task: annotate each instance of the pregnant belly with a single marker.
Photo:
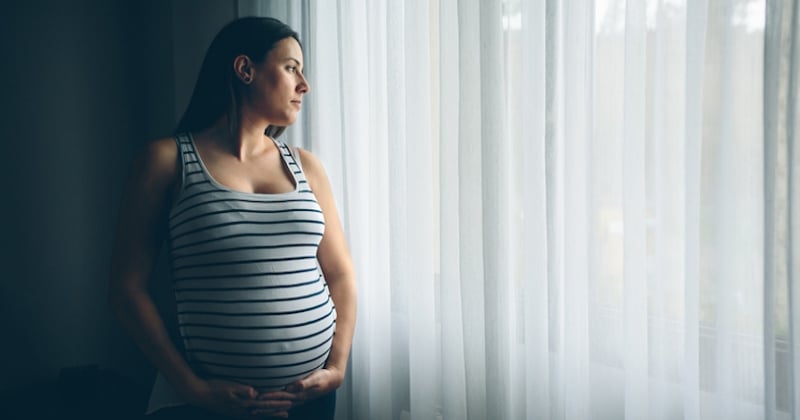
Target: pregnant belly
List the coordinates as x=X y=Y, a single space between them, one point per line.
x=264 y=338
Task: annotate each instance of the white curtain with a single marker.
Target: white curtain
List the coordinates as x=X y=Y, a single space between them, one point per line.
x=562 y=209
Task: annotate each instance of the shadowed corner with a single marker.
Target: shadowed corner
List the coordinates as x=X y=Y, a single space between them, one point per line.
x=79 y=392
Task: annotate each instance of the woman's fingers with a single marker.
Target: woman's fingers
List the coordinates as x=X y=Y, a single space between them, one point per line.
x=273 y=404
x=297 y=393
x=276 y=395
x=244 y=392
x=241 y=401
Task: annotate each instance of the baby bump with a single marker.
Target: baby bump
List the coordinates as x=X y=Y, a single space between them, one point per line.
x=265 y=335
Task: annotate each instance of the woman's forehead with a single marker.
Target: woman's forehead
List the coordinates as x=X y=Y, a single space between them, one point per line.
x=285 y=49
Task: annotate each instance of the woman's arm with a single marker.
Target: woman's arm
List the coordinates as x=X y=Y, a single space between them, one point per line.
x=337 y=267
x=141 y=229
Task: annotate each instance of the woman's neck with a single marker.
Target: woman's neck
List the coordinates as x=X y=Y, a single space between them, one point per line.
x=247 y=139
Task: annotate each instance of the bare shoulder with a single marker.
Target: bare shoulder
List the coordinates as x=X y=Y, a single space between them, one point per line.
x=161 y=156
x=157 y=162
x=312 y=166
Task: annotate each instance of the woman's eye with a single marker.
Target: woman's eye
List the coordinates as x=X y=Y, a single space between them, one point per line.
x=292 y=69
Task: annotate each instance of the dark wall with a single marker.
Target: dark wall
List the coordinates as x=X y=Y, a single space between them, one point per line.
x=84 y=83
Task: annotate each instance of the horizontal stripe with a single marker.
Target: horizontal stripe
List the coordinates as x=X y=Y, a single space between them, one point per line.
x=280 y=353
x=276 y=378
x=199 y=193
x=277 y=340
x=249 y=366
x=251 y=300
x=245 y=222
x=253 y=339
x=272 y=273
x=267 y=310
x=242 y=211
x=192 y=184
x=237 y=314
x=287 y=351
x=222 y=363
x=241 y=235
x=243 y=248
x=302 y=324
x=242 y=201
x=269 y=378
x=277 y=286
x=238 y=262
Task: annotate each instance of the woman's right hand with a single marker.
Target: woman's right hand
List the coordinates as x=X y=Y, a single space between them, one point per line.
x=237 y=400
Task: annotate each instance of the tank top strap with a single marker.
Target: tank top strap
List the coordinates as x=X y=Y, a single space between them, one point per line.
x=293 y=163
x=184 y=143
x=190 y=163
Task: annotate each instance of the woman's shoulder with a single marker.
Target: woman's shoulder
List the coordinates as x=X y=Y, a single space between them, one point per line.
x=158 y=160
x=314 y=170
x=162 y=147
x=310 y=163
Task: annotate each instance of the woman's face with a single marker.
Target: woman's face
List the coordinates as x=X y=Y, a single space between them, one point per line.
x=278 y=84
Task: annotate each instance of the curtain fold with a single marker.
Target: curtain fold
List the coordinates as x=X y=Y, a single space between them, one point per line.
x=782 y=260
x=695 y=43
x=453 y=376
x=562 y=209
x=634 y=214
x=526 y=110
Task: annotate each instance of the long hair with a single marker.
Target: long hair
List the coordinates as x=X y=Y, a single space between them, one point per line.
x=217 y=92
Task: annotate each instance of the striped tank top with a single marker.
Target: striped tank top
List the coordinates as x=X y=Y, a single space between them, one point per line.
x=252 y=304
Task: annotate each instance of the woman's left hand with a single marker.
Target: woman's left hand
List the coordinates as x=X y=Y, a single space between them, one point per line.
x=315 y=385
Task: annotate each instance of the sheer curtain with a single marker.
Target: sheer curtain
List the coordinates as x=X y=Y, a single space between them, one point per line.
x=562 y=209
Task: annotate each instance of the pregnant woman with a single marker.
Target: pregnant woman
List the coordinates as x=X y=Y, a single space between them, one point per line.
x=263 y=281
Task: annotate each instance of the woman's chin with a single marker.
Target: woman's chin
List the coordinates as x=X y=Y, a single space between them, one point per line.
x=285 y=120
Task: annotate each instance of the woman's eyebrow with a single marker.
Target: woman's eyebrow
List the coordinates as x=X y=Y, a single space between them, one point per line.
x=295 y=60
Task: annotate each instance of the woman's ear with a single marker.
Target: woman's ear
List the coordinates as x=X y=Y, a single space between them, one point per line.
x=243 y=68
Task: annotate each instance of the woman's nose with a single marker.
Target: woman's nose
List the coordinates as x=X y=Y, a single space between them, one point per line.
x=303 y=87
